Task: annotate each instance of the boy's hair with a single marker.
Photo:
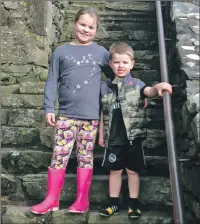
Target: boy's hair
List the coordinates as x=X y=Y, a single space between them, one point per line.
x=90 y=11
x=121 y=48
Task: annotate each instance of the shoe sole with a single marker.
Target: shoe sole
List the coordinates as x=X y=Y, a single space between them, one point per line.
x=134 y=217
x=80 y=212
x=108 y=215
x=49 y=210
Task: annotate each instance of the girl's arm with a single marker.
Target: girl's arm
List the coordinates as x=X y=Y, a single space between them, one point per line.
x=101 y=131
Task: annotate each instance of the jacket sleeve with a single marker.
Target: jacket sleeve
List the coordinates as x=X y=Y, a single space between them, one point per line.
x=50 y=91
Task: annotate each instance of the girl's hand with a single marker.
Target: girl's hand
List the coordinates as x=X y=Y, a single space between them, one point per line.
x=162 y=87
x=50 y=119
x=101 y=141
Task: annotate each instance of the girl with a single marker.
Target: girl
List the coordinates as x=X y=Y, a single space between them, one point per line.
x=76 y=69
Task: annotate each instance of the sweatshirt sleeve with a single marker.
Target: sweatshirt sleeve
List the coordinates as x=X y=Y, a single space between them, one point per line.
x=107 y=70
x=50 y=91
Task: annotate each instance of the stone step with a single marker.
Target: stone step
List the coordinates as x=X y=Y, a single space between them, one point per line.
x=22 y=215
x=31 y=162
x=154 y=191
x=117 y=16
x=136 y=45
x=135 y=9
x=111 y=26
x=118 y=5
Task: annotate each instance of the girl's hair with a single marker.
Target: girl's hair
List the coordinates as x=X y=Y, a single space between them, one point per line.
x=90 y=11
x=121 y=48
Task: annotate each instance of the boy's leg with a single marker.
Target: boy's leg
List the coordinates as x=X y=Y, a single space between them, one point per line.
x=133 y=183
x=133 y=186
x=114 y=161
x=115 y=182
x=65 y=135
x=135 y=163
x=85 y=144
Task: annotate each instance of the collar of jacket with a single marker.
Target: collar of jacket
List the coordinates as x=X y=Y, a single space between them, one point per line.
x=123 y=80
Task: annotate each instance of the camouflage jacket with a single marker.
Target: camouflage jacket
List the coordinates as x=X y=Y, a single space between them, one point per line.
x=131 y=105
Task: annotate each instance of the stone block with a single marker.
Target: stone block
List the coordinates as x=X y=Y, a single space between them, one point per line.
x=8 y=185
x=195 y=127
x=22 y=215
x=18 y=135
x=154 y=190
x=26 y=162
x=185 y=10
x=47 y=136
x=22 y=100
x=4 y=116
x=193 y=104
x=148 y=217
x=25 y=118
x=10 y=89
x=64 y=217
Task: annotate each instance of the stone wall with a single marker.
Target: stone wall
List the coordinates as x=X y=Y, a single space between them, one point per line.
x=182 y=32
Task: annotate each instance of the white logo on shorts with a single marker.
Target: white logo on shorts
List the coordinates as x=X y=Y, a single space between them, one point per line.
x=112 y=158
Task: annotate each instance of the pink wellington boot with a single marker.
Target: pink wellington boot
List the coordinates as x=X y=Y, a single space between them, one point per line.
x=84 y=180
x=51 y=202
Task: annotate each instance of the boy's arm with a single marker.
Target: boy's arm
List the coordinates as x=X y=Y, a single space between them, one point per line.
x=158 y=89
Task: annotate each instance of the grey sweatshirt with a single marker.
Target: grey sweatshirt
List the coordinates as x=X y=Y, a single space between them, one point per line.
x=75 y=71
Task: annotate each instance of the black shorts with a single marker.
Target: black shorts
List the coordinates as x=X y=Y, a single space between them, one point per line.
x=131 y=156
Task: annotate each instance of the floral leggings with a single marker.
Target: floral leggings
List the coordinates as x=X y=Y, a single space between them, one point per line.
x=68 y=131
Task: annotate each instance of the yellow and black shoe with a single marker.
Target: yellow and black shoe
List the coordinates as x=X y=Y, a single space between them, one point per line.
x=107 y=212
x=134 y=214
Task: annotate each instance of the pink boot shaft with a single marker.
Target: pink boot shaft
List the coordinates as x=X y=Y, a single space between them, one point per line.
x=51 y=202
x=84 y=180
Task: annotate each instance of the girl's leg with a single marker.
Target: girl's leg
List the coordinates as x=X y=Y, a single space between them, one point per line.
x=65 y=135
x=85 y=145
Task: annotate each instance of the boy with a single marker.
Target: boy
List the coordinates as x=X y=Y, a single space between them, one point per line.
x=122 y=100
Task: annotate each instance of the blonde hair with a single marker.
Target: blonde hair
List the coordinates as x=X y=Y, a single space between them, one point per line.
x=121 y=48
x=90 y=11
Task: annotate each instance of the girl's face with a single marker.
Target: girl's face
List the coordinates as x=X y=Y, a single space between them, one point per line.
x=85 y=29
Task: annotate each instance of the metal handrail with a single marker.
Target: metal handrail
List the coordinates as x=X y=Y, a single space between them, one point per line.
x=169 y=126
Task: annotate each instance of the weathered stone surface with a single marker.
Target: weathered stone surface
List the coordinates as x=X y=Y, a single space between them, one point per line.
x=63 y=216
x=19 y=100
x=31 y=161
x=193 y=104
x=10 y=89
x=32 y=87
x=190 y=178
x=18 y=135
x=185 y=10
x=154 y=190
x=196 y=128
x=24 y=162
x=8 y=185
x=47 y=136
x=22 y=215
x=18 y=70
x=25 y=117
x=4 y=116
x=147 y=218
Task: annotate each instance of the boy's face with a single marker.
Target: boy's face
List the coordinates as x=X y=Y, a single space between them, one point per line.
x=121 y=64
